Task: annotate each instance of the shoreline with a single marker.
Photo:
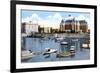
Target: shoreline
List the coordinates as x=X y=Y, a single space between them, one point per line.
x=57 y=35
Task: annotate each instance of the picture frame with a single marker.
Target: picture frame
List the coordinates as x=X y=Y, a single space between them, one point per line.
x=24 y=9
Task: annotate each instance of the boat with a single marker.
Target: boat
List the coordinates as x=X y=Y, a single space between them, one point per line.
x=72 y=50
x=26 y=54
x=63 y=43
x=49 y=51
x=69 y=53
x=85 y=45
x=59 y=39
x=74 y=39
x=64 y=54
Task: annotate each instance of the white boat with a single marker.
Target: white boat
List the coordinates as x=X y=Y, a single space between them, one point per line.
x=72 y=50
x=49 y=51
x=86 y=45
x=74 y=39
x=63 y=43
x=26 y=54
x=59 y=38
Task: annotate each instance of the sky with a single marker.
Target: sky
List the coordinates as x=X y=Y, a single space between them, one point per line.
x=51 y=18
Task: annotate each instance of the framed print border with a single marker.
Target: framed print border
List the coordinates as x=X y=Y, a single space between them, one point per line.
x=13 y=35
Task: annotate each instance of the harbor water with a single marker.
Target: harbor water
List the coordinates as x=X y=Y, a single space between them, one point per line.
x=39 y=45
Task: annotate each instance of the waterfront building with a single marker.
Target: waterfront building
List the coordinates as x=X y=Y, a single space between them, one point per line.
x=29 y=27
x=47 y=30
x=77 y=26
x=73 y=26
x=70 y=25
x=62 y=27
x=41 y=29
x=83 y=26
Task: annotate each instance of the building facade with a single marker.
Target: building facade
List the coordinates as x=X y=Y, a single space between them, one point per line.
x=83 y=26
x=74 y=26
x=29 y=27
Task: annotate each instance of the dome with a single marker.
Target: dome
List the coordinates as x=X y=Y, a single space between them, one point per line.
x=70 y=17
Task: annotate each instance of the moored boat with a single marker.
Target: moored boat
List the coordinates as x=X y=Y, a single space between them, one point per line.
x=26 y=54
x=64 y=54
x=63 y=43
x=49 y=51
x=86 y=45
x=72 y=50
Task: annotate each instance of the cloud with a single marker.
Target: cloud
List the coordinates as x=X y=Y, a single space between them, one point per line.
x=49 y=21
x=33 y=17
x=54 y=20
x=69 y=18
x=57 y=16
x=82 y=17
x=26 y=19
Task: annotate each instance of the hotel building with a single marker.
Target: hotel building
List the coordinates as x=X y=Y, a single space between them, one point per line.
x=73 y=26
